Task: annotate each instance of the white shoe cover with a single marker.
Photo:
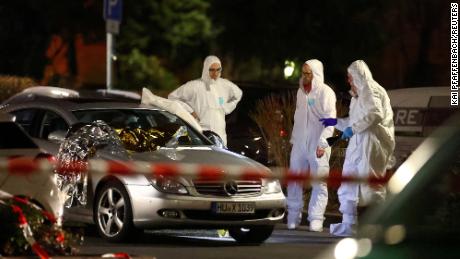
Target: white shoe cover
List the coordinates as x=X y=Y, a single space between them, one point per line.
x=294 y=221
x=291 y=226
x=316 y=225
x=342 y=229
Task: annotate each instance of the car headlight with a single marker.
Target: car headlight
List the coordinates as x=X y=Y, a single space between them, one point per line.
x=168 y=185
x=273 y=186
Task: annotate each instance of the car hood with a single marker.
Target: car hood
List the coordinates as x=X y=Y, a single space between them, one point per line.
x=211 y=156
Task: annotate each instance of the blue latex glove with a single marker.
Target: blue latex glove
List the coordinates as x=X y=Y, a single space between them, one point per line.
x=328 y=121
x=347 y=133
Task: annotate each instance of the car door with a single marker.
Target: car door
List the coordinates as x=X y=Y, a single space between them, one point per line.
x=16 y=144
x=50 y=123
x=39 y=123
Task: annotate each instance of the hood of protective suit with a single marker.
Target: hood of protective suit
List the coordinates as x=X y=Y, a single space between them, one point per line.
x=361 y=75
x=208 y=61
x=318 y=77
x=320 y=102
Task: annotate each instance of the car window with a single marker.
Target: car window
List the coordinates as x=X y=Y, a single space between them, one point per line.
x=52 y=122
x=16 y=137
x=25 y=118
x=140 y=118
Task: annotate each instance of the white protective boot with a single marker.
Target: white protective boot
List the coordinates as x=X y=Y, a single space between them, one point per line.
x=316 y=225
x=294 y=222
x=343 y=229
x=349 y=220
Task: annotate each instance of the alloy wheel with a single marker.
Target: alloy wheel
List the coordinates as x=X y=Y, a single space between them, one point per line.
x=111 y=212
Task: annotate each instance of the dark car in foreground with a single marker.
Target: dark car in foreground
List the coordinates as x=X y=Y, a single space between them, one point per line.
x=121 y=204
x=420 y=218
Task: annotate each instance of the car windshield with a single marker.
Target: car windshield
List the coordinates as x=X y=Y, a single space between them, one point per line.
x=144 y=119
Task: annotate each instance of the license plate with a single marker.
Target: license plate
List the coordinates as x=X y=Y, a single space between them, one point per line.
x=234 y=207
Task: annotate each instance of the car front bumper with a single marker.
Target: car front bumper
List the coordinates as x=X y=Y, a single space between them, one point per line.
x=196 y=211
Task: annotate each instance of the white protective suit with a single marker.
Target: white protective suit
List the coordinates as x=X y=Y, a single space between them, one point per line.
x=308 y=133
x=210 y=99
x=370 y=149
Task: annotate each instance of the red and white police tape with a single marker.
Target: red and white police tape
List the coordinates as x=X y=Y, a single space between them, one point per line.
x=25 y=165
x=24 y=224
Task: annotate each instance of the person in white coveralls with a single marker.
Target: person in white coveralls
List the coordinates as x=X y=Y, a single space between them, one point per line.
x=210 y=97
x=310 y=150
x=370 y=130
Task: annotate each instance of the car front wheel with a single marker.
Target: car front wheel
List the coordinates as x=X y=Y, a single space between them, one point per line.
x=251 y=235
x=113 y=213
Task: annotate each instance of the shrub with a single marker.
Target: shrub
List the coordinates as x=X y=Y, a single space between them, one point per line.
x=138 y=70
x=11 y=85
x=274 y=116
x=22 y=223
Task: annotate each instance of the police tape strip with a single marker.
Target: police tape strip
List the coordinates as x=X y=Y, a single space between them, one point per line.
x=197 y=172
x=25 y=227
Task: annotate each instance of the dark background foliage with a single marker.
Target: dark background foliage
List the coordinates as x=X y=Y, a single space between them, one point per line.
x=405 y=42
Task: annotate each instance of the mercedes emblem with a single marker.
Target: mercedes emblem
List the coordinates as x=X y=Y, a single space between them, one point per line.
x=231 y=188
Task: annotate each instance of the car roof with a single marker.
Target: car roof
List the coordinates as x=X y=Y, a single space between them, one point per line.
x=417 y=96
x=72 y=100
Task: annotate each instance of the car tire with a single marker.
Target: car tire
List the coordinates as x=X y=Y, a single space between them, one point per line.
x=251 y=235
x=113 y=212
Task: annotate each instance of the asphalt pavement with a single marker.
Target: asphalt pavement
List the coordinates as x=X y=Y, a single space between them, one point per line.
x=330 y=218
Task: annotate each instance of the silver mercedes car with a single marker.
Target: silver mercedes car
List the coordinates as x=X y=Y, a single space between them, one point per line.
x=121 y=205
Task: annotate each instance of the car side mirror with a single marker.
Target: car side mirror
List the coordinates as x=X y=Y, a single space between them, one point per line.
x=57 y=136
x=214 y=138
